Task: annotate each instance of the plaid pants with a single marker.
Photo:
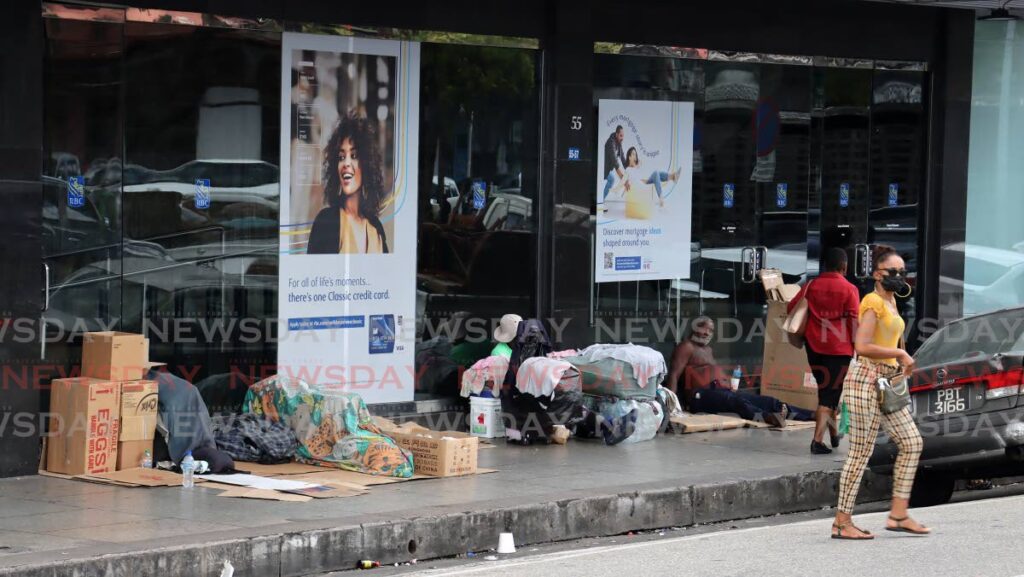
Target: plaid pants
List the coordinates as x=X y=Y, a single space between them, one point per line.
x=865 y=416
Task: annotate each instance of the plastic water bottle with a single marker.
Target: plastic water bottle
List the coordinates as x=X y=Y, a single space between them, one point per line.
x=188 y=467
x=737 y=376
x=147 y=460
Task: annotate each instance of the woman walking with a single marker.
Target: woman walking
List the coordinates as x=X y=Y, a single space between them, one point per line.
x=831 y=320
x=879 y=355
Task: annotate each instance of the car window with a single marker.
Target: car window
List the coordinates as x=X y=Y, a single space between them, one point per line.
x=983 y=335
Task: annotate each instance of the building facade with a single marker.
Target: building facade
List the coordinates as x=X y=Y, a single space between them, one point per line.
x=861 y=111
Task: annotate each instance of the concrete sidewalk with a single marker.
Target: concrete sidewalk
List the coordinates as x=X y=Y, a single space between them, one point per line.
x=51 y=526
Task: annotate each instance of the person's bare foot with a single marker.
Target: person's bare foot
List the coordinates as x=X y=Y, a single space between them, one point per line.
x=906 y=525
x=850 y=532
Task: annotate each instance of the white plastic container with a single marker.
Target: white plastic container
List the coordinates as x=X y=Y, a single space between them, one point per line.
x=485 y=418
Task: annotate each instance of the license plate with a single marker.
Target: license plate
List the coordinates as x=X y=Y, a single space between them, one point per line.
x=951 y=400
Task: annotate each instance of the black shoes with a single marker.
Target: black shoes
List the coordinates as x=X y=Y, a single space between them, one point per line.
x=820 y=448
x=835 y=440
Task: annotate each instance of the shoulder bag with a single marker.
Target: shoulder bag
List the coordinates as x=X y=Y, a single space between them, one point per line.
x=893 y=392
x=795 y=324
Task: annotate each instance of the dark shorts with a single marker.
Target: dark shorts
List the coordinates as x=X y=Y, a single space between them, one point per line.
x=829 y=371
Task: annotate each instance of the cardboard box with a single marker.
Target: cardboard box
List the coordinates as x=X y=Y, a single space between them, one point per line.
x=138 y=410
x=84 y=426
x=115 y=356
x=439 y=453
x=130 y=453
x=785 y=373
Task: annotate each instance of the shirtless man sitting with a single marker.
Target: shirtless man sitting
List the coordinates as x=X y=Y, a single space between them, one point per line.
x=705 y=385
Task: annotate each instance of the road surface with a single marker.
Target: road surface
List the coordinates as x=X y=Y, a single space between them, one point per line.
x=974 y=538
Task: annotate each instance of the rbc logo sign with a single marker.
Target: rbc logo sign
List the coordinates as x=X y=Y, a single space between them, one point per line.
x=728 y=195
x=781 y=195
x=479 y=194
x=202 y=193
x=574 y=154
x=76 y=191
x=844 y=194
x=894 y=195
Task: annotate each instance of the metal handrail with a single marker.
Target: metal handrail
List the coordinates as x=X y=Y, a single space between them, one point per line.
x=155 y=269
x=120 y=244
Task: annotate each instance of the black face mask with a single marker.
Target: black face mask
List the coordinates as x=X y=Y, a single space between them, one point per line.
x=894 y=283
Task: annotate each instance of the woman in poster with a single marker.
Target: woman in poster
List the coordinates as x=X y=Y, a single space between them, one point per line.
x=354 y=192
x=634 y=172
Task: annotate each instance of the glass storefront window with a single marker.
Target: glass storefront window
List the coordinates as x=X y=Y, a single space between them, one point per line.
x=149 y=114
x=478 y=191
x=992 y=255
x=792 y=156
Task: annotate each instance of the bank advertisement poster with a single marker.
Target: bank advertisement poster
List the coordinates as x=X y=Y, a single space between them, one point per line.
x=644 y=190
x=346 y=298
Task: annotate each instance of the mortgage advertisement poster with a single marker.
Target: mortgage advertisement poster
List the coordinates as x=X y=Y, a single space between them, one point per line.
x=644 y=190
x=346 y=298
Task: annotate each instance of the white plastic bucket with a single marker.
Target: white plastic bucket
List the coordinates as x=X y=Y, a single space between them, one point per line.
x=485 y=418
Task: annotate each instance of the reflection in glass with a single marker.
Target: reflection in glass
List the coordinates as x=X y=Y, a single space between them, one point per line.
x=200 y=201
x=478 y=175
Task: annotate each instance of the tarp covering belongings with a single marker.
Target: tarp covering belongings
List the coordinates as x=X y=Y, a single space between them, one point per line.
x=623 y=371
x=333 y=427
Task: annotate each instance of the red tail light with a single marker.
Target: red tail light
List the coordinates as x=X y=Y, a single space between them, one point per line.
x=1004 y=384
x=997 y=385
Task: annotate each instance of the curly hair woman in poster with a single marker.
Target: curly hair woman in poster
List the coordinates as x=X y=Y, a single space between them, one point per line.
x=354 y=191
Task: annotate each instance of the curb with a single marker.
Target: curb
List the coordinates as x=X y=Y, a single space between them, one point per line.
x=309 y=552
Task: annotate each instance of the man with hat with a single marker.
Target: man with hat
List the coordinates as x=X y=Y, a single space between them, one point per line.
x=504 y=333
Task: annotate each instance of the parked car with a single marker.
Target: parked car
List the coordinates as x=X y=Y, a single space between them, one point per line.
x=966 y=399
x=451 y=195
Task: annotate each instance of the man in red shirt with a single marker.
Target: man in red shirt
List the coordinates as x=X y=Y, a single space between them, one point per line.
x=832 y=303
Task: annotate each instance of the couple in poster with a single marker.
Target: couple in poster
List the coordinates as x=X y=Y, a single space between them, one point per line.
x=643 y=186
x=623 y=171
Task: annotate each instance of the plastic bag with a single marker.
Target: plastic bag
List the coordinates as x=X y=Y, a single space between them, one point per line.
x=649 y=416
x=844 y=419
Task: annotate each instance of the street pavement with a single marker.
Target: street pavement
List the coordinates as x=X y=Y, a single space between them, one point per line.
x=974 y=538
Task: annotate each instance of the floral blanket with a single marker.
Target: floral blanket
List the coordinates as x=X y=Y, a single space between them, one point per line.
x=334 y=428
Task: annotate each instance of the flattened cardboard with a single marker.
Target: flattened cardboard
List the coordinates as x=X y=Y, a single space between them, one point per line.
x=277 y=470
x=264 y=494
x=705 y=423
x=84 y=426
x=115 y=356
x=350 y=477
x=137 y=477
x=330 y=491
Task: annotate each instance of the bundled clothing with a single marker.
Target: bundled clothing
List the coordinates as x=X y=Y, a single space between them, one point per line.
x=540 y=376
x=535 y=416
x=540 y=392
x=256 y=439
x=622 y=371
x=183 y=424
x=334 y=428
x=490 y=369
x=644 y=361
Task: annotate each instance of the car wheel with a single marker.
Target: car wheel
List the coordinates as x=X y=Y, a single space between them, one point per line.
x=931 y=490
